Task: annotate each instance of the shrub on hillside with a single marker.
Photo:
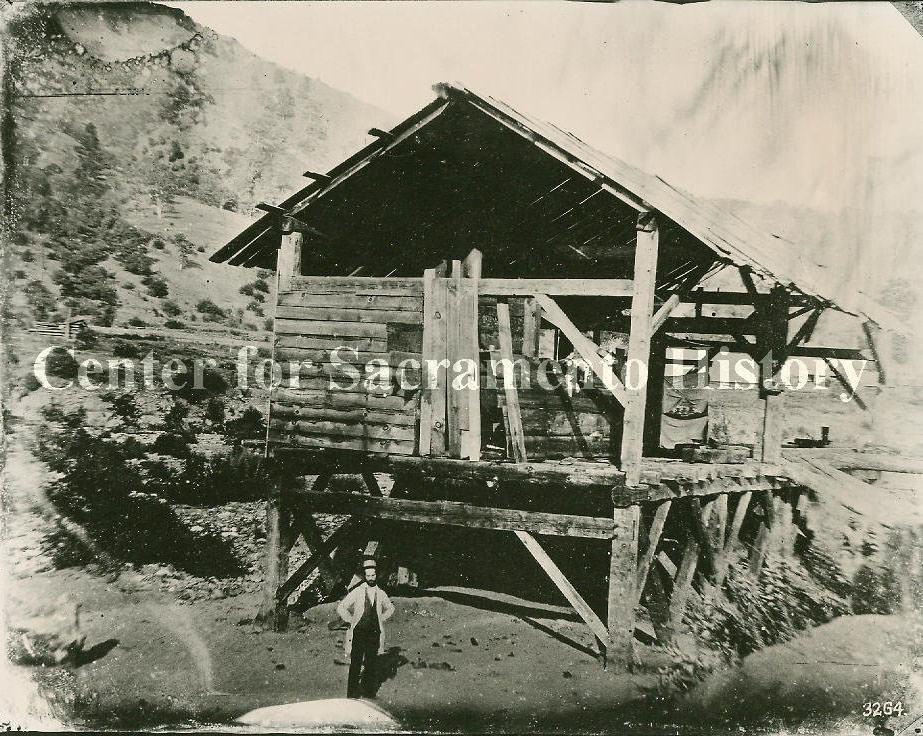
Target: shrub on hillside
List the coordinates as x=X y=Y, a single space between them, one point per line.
x=261 y=285
x=40 y=299
x=61 y=364
x=171 y=308
x=136 y=322
x=250 y=425
x=174 y=324
x=125 y=407
x=125 y=349
x=214 y=411
x=209 y=481
x=208 y=307
x=212 y=383
x=86 y=339
x=156 y=286
x=104 y=492
x=175 y=416
x=172 y=443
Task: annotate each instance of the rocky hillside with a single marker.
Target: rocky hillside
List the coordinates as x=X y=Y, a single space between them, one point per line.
x=140 y=141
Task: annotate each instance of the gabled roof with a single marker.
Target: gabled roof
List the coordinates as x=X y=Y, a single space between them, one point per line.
x=769 y=255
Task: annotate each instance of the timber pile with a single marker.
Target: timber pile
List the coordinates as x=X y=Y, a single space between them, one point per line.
x=348 y=406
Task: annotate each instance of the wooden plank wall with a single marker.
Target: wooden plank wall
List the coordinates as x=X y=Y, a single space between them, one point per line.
x=372 y=318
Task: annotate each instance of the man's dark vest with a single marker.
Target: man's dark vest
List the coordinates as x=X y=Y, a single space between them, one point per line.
x=369 y=622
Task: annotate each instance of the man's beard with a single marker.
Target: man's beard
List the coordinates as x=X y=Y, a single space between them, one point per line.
x=371 y=583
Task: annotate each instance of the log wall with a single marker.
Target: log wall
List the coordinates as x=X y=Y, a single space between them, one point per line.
x=333 y=336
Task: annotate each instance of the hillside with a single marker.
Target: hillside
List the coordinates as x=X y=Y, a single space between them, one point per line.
x=140 y=141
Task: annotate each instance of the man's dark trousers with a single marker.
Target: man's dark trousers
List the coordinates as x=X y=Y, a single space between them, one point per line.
x=366 y=640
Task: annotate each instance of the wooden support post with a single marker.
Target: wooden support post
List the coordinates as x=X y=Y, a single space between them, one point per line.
x=655 y=386
x=782 y=537
x=639 y=345
x=623 y=571
x=438 y=320
x=289 y=258
x=682 y=583
x=273 y=612
x=456 y=409
x=730 y=546
x=567 y=589
x=763 y=536
x=698 y=522
x=653 y=539
x=513 y=414
x=304 y=571
x=721 y=520
x=773 y=345
x=531 y=327
x=425 y=427
x=470 y=349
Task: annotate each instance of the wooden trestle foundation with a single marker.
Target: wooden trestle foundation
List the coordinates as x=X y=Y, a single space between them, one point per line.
x=713 y=511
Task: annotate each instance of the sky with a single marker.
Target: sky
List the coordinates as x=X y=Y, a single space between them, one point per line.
x=819 y=104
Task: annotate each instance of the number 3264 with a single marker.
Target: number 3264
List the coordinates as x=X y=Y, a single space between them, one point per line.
x=875 y=708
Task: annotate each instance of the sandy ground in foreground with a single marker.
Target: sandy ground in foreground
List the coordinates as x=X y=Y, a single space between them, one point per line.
x=458 y=660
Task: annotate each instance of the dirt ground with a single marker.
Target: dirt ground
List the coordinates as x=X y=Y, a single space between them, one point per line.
x=458 y=660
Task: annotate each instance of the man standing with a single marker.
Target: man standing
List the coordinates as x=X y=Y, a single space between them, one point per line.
x=365 y=609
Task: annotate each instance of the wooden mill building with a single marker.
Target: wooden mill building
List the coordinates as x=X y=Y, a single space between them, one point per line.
x=470 y=233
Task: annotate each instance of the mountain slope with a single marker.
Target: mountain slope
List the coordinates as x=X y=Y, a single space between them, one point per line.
x=141 y=141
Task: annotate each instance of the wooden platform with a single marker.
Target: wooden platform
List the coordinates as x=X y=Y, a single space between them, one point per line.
x=661 y=479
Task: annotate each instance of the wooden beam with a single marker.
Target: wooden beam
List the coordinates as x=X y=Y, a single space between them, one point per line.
x=273 y=611
x=773 y=426
x=656 y=373
x=622 y=598
x=872 y=333
x=588 y=350
x=660 y=316
x=555 y=287
x=730 y=546
x=653 y=539
x=639 y=345
x=804 y=332
x=425 y=425
x=314 y=539
x=317 y=176
x=452 y=513
x=698 y=527
x=723 y=297
x=684 y=575
x=438 y=312
x=710 y=325
x=456 y=409
x=371 y=285
x=758 y=551
x=848 y=460
x=321 y=553
x=845 y=383
x=567 y=589
x=531 y=327
x=371 y=483
x=470 y=349
x=510 y=392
